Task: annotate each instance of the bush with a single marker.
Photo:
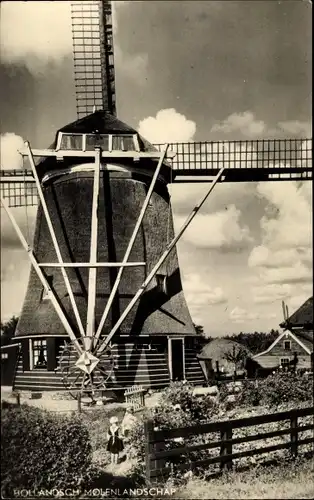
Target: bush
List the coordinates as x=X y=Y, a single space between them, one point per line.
x=178 y=408
x=191 y=409
x=285 y=387
x=274 y=390
x=42 y=450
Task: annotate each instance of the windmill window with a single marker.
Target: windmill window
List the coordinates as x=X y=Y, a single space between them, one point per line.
x=45 y=295
x=4 y=355
x=100 y=140
x=123 y=143
x=71 y=141
x=287 y=345
x=161 y=280
x=39 y=354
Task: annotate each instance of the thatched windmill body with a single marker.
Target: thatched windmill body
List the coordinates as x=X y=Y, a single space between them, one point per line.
x=105 y=276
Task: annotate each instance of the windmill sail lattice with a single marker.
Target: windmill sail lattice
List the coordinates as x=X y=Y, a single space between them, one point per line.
x=243 y=161
x=93 y=57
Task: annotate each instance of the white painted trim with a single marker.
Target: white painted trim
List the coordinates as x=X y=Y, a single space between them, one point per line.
x=9 y=345
x=42 y=335
x=76 y=153
x=170 y=358
x=84 y=142
x=92 y=264
x=30 y=349
x=92 y=277
x=300 y=342
x=286 y=333
x=88 y=167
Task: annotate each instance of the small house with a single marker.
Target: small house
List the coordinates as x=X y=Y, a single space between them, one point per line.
x=294 y=345
x=223 y=357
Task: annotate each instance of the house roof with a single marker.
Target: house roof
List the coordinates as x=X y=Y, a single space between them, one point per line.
x=304 y=338
x=217 y=349
x=302 y=317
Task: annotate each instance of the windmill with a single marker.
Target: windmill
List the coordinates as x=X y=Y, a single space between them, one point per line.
x=104 y=306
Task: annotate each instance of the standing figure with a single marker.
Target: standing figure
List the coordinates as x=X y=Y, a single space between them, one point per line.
x=115 y=443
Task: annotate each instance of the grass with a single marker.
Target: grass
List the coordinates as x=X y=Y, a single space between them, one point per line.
x=289 y=480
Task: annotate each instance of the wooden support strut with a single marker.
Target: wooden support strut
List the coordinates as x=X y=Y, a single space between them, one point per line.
x=131 y=243
x=90 y=324
x=163 y=257
x=53 y=237
x=42 y=278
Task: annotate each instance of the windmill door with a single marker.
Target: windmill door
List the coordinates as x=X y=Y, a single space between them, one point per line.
x=176 y=358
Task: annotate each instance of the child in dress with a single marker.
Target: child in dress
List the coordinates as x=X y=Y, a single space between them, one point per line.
x=115 y=443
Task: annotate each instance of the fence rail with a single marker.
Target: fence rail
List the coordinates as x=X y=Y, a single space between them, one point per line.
x=157 y=455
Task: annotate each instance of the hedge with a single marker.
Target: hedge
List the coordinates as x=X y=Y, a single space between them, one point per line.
x=42 y=450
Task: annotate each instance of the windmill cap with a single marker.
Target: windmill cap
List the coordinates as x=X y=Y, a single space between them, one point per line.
x=101 y=122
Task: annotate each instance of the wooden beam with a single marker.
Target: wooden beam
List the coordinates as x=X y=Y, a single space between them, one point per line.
x=131 y=243
x=42 y=278
x=161 y=260
x=92 y=279
x=54 y=239
x=74 y=153
x=92 y=264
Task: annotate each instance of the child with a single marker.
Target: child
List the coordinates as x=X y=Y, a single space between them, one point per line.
x=115 y=443
x=128 y=422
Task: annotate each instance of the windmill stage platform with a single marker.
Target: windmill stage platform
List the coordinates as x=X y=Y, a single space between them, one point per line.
x=194 y=162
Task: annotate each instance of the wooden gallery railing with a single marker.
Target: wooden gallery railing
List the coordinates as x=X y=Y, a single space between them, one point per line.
x=157 y=455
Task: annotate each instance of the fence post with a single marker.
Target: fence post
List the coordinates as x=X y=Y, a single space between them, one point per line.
x=225 y=448
x=149 y=448
x=79 y=403
x=294 y=435
x=152 y=447
x=18 y=398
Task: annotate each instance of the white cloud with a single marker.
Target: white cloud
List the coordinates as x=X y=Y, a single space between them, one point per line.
x=167 y=126
x=199 y=295
x=268 y=293
x=288 y=224
x=239 y=315
x=219 y=230
x=285 y=252
x=296 y=128
x=35 y=31
x=263 y=256
x=296 y=274
x=245 y=123
x=10 y=158
x=15 y=268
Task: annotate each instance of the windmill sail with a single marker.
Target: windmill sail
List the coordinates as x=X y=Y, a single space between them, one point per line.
x=93 y=57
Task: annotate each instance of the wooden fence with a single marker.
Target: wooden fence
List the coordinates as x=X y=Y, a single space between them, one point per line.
x=157 y=455
x=135 y=395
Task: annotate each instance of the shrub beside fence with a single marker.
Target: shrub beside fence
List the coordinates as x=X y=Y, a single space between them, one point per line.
x=157 y=455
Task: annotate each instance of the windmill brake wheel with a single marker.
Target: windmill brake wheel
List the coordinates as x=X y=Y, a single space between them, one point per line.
x=85 y=378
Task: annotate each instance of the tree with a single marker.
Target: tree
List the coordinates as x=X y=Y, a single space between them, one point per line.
x=199 y=329
x=255 y=342
x=237 y=357
x=8 y=330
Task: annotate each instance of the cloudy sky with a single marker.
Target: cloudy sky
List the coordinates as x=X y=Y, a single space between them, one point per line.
x=189 y=70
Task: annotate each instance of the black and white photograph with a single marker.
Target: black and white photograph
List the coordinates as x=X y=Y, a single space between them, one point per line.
x=156 y=249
